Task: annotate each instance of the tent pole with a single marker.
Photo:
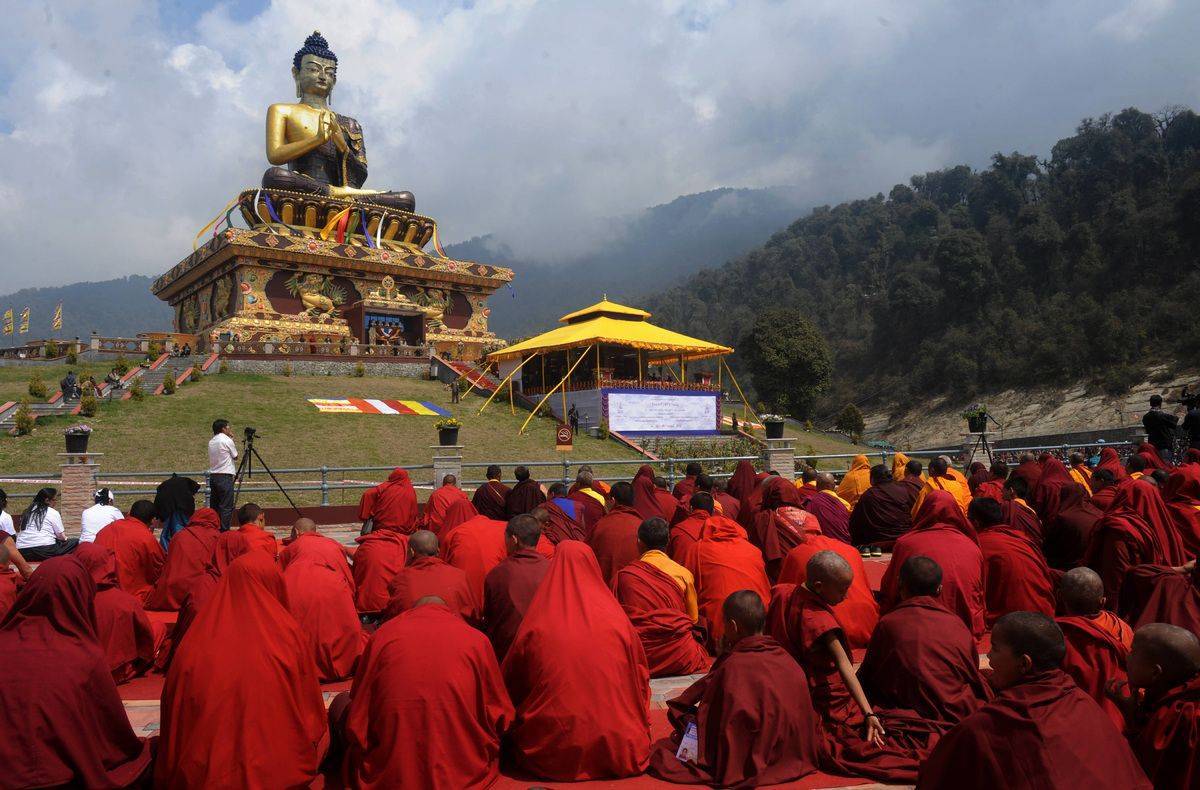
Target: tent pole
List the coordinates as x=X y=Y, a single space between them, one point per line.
x=507 y=379
x=551 y=392
x=745 y=403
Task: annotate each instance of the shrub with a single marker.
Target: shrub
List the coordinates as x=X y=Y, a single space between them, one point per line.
x=169 y=383
x=154 y=349
x=286 y=369
x=360 y=370
x=850 y=420
x=24 y=419
x=1121 y=379
x=37 y=387
x=195 y=374
x=223 y=367
x=136 y=391
x=122 y=365
x=51 y=349
x=72 y=357
x=87 y=405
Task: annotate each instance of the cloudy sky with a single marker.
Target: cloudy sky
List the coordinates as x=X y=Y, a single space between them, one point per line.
x=126 y=125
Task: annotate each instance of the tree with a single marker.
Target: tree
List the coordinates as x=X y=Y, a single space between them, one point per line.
x=850 y=420
x=788 y=359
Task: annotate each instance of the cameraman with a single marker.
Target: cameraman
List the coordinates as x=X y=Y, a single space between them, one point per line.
x=1160 y=429
x=222 y=452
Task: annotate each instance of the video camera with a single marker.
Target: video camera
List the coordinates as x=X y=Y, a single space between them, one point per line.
x=1190 y=400
x=252 y=434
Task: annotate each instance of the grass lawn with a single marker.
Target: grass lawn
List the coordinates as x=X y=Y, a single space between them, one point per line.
x=14 y=381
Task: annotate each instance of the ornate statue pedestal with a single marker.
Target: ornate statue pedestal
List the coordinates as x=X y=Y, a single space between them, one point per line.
x=281 y=283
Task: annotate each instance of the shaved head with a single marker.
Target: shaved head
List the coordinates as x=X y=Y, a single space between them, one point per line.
x=745 y=608
x=880 y=474
x=423 y=543
x=809 y=474
x=1081 y=592
x=449 y=480
x=920 y=576
x=826 y=482
x=939 y=465
x=1175 y=650
x=913 y=468
x=525 y=529
x=304 y=525
x=828 y=566
x=428 y=599
x=1034 y=635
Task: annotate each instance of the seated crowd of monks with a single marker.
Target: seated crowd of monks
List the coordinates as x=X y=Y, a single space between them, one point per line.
x=521 y=627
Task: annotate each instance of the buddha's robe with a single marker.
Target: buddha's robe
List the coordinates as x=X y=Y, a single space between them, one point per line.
x=434 y=516
x=490 y=500
x=1096 y=651
x=391 y=505
x=576 y=646
x=882 y=514
x=856 y=481
x=614 y=540
x=190 y=551
x=1165 y=744
x=922 y=658
x=257 y=537
x=686 y=533
x=660 y=598
x=723 y=561
x=477 y=545
x=1136 y=530
x=754 y=719
x=122 y=628
x=859 y=613
x=1016 y=577
x=443 y=731
x=523 y=498
x=140 y=559
x=564 y=522
x=242 y=706
x=507 y=592
x=380 y=555
x=320 y=589
x=1042 y=732
x=424 y=576
x=959 y=490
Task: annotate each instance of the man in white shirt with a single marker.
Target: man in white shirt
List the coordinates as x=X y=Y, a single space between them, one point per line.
x=6 y=522
x=98 y=516
x=222 y=455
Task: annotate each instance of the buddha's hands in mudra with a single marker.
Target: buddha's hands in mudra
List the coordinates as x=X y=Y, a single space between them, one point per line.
x=330 y=129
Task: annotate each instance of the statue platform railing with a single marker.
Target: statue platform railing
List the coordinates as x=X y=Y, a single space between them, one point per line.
x=321 y=349
x=310 y=214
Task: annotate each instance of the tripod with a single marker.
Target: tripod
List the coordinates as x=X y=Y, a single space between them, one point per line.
x=981 y=440
x=246 y=469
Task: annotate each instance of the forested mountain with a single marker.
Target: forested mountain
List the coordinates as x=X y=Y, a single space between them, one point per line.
x=121 y=307
x=1030 y=272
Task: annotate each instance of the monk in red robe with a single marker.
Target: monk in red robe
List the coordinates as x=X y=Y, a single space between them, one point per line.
x=993 y=487
x=65 y=724
x=1066 y=538
x=1097 y=641
x=1110 y=461
x=428 y=574
x=684 y=489
x=1029 y=470
x=10 y=579
x=1018 y=513
x=320 y=587
x=858 y=612
x=730 y=507
x=921 y=657
x=883 y=512
x=659 y=595
x=428 y=706
x=122 y=628
x=590 y=499
x=241 y=706
x=477 y=545
x=561 y=519
x=686 y=533
x=509 y=587
x=379 y=556
x=1137 y=530
x=614 y=539
x=742 y=482
x=1104 y=489
x=651 y=498
x=1182 y=495
x=1162 y=594
x=1164 y=665
x=1046 y=495
x=140 y=559
x=754 y=719
x=781 y=523
x=252 y=522
x=391 y=505
x=491 y=498
x=942 y=533
x=832 y=512
x=1016 y=576
x=576 y=646
x=1040 y=731
x=201 y=591
x=434 y=516
x=191 y=549
x=721 y=563
x=524 y=496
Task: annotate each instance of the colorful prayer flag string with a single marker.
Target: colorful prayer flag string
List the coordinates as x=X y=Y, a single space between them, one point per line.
x=339 y=219
x=214 y=221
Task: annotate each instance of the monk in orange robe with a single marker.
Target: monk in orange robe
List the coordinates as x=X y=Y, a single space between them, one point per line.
x=1097 y=641
x=614 y=538
x=1080 y=472
x=659 y=595
x=251 y=526
x=509 y=587
x=140 y=558
x=1016 y=576
x=721 y=563
x=942 y=479
x=428 y=574
x=434 y=517
x=391 y=505
x=191 y=549
x=856 y=480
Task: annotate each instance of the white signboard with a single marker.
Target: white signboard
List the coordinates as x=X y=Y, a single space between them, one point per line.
x=662 y=412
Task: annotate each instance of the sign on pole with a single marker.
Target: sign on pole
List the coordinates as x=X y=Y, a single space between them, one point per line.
x=564 y=438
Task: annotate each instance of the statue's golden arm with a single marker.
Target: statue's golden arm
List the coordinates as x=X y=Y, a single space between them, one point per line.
x=279 y=151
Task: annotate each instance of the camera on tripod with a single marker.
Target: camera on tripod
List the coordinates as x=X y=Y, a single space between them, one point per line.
x=251 y=433
x=1190 y=400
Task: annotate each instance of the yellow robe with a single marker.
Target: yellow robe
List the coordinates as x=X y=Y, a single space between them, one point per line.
x=681 y=575
x=1083 y=476
x=856 y=481
x=960 y=491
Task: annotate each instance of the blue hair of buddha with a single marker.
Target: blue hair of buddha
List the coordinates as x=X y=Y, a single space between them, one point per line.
x=314 y=45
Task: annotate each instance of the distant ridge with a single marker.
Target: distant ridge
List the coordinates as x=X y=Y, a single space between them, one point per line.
x=113 y=308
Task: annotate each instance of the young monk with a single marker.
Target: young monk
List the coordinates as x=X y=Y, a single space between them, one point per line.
x=721 y=563
x=65 y=724
x=242 y=706
x=1164 y=665
x=921 y=656
x=576 y=646
x=428 y=705
x=434 y=516
x=1097 y=641
x=509 y=587
x=1040 y=731
x=614 y=539
x=755 y=724
x=122 y=628
x=379 y=556
x=252 y=522
x=428 y=574
x=659 y=595
x=139 y=557
x=191 y=549
x=1016 y=577
x=391 y=505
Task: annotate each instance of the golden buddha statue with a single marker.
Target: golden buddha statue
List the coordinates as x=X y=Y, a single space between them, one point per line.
x=323 y=150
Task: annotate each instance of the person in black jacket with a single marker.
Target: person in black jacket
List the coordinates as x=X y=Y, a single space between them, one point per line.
x=1160 y=429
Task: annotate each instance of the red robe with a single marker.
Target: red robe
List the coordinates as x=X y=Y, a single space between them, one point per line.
x=320 y=589
x=1103 y=499
x=63 y=720
x=859 y=613
x=1043 y=732
x=1137 y=530
x=1068 y=535
x=1112 y=462
x=614 y=540
x=122 y=628
x=684 y=489
x=434 y=517
x=563 y=525
x=507 y=592
x=576 y=646
x=1095 y=657
x=1016 y=577
x=10 y=585
x=241 y=706
x=139 y=557
x=723 y=562
x=742 y=482
x=392 y=504
x=686 y=533
x=255 y=536
x=655 y=606
x=754 y=718
x=431 y=576
x=992 y=489
x=523 y=498
x=593 y=509
x=1166 y=744
x=201 y=591
x=922 y=658
x=650 y=501
x=780 y=524
x=190 y=551
x=942 y=533
x=1021 y=516
x=477 y=545
x=490 y=500
x=1182 y=494
x=832 y=514
x=1045 y=496
x=1030 y=472
x=1158 y=594
x=379 y=556
x=443 y=731
x=730 y=507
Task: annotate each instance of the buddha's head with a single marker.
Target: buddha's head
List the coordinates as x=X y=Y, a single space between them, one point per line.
x=314 y=67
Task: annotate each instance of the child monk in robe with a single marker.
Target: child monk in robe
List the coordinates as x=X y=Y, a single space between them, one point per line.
x=1097 y=640
x=428 y=574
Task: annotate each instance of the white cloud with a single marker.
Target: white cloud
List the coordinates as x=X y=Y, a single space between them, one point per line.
x=1135 y=19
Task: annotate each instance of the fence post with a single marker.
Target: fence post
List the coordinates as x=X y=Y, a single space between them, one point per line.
x=780 y=455
x=324 y=486
x=671 y=473
x=208 y=489
x=566 y=469
x=78 y=478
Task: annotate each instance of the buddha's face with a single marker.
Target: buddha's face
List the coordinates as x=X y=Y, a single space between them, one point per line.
x=316 y=76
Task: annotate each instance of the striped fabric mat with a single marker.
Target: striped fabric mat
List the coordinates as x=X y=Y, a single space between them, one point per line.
x=377 y=406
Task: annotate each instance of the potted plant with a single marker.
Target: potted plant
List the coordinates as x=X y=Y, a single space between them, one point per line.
x=447 y=429
x=774 y=425
x=976 y=418
x=77 y=438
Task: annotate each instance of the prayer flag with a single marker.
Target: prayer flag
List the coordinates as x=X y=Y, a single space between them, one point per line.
x=24 y=321
x=8 y=321
x=57 y=322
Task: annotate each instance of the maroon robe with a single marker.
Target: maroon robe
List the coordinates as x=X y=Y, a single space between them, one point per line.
x=1068 y=534
x=379 y=557
x=684 y=489
x=1095 y=658
x=1137 y=530
x=1016 y=577
x=833 y=515
x=614 y=540
x=491 y=500
x=1159 y=594
x=507 y=591
x=655 y=606
x=883 y=513
x=650 y=501
x=561 y=525
x=593 y=509
x=1182 y=494
x=1020 y=515
x=1029 y=471
x=686 y=534
x=730 y=507
x=424 y=576
x=122 y=628
x=1166 y=744
x=523 y=498
x=1045 y=497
